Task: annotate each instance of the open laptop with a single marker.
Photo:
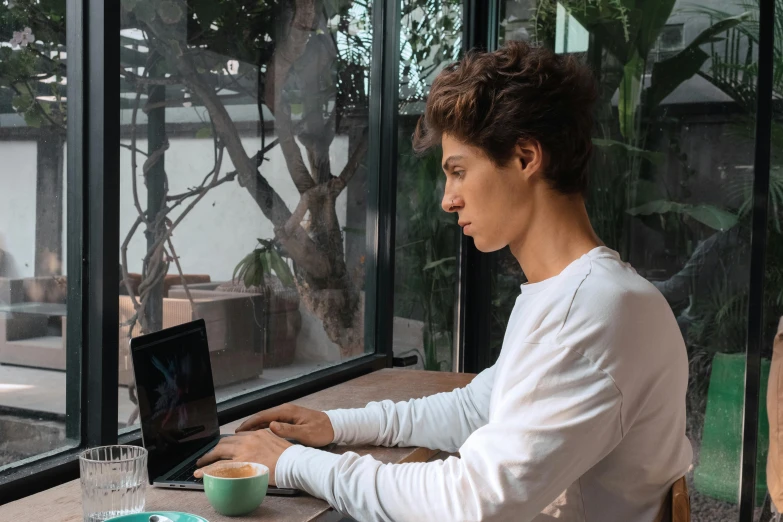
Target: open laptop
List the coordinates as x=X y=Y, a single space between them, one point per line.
x=177 y=405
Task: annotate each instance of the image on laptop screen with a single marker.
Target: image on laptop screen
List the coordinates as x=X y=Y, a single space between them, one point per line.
x=176 y=397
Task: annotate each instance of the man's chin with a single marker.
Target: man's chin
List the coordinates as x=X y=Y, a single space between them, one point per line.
x=482 y=245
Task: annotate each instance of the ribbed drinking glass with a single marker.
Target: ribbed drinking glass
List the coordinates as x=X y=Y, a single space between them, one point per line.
x=114 y=480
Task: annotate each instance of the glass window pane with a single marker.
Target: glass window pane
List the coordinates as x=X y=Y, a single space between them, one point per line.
x=670 y=190
x=770 y=458
x=244 y=135
x=33 y=288
x=427 y=238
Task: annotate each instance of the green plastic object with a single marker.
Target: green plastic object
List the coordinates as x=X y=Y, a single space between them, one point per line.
x=718 y=472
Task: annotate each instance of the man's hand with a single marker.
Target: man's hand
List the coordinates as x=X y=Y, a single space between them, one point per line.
x=261 y=447
x=309 y=427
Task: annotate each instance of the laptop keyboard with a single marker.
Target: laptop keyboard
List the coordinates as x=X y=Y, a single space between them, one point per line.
x=186 y=474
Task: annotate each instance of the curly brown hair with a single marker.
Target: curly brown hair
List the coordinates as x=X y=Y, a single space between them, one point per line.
x=519 y=92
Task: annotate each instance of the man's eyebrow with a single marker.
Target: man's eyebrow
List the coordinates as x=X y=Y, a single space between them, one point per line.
x=446 y=164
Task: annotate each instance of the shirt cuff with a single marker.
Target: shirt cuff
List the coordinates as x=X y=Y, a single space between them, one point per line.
x=308 y=469
x=356 y=425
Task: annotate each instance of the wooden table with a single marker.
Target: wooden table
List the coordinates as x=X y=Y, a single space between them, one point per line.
x=63 y=503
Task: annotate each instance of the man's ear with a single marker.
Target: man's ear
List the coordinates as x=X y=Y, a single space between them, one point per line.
x=530 y=157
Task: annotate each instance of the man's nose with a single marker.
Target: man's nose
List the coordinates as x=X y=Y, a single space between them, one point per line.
x=451 y=203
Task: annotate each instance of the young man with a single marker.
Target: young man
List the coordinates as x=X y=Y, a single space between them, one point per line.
x=582 y=418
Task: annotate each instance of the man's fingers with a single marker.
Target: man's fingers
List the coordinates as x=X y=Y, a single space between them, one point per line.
x=223 y=451
x=199 y=473
x=261 y=420
x=285 y=430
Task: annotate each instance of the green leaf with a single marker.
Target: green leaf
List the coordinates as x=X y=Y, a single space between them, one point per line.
x=433 y=264
x=630 y=89
x=265 y=264
x=50 y=7
x=242 y=266
x=668 y=74
x=659 y=206
x=656 y=158
x=713 y=217
x=654 y=16
x=710 y=215
x=281 y=268
x=204 y=132
x=249 y=274
x=33 y=118
x=22 y=103
x=614 y=24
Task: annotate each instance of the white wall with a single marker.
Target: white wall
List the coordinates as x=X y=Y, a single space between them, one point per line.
x=212 y=239
x=224 y=225
x=17 y=207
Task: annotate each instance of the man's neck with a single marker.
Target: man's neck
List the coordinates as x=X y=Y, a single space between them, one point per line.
x=559 y=233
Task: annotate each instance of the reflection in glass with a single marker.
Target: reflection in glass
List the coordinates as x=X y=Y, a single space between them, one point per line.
x=427 y=238
x=243 y=200
x=670 y=189
x=33 y=285
x=772 y=340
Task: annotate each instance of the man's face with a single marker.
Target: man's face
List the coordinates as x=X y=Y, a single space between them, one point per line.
x=493 y=202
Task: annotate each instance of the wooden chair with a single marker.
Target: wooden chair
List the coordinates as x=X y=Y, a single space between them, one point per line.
x=680 y=502
x=677 y=506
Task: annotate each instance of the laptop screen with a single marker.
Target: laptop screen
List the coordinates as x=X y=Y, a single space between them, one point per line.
x=176 y=395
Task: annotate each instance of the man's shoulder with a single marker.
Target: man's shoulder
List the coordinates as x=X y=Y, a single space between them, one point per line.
x=617 y=314
x=603 y=289
x=610 y=282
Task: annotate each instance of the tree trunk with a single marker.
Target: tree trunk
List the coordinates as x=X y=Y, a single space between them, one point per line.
x=155 y=180
x=324 y=283
x=49 y=203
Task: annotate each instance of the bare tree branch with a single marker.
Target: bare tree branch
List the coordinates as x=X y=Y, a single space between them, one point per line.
x=124 y=146
x=286 y=53
x=154 y=157
x=354 y=161
x=179 y=269
x=268 y=199
x=304 y=204
x=124 y=264
x=133 y=147
x=197 y=191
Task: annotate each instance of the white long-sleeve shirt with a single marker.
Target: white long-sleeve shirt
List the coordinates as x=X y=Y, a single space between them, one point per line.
x=582 y=418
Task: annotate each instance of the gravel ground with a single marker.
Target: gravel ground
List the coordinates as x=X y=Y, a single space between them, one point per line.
x=707 y=509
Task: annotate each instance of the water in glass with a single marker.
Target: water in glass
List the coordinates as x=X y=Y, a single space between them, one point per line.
x=114 y=480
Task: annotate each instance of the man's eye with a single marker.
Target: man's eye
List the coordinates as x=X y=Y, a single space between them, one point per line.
x=458 y=173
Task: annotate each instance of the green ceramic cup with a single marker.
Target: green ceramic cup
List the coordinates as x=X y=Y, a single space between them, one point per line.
x=236 y=496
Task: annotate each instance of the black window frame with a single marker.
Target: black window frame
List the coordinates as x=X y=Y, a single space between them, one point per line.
x=93 y=244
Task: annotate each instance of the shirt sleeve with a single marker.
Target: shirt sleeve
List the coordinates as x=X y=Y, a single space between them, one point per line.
x=418 y=422
x=560 y=418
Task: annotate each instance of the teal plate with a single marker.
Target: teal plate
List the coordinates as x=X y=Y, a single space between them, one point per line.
x=145 y=517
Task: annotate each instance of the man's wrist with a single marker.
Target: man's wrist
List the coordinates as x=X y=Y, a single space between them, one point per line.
x=284 y=469
x=335 y=419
